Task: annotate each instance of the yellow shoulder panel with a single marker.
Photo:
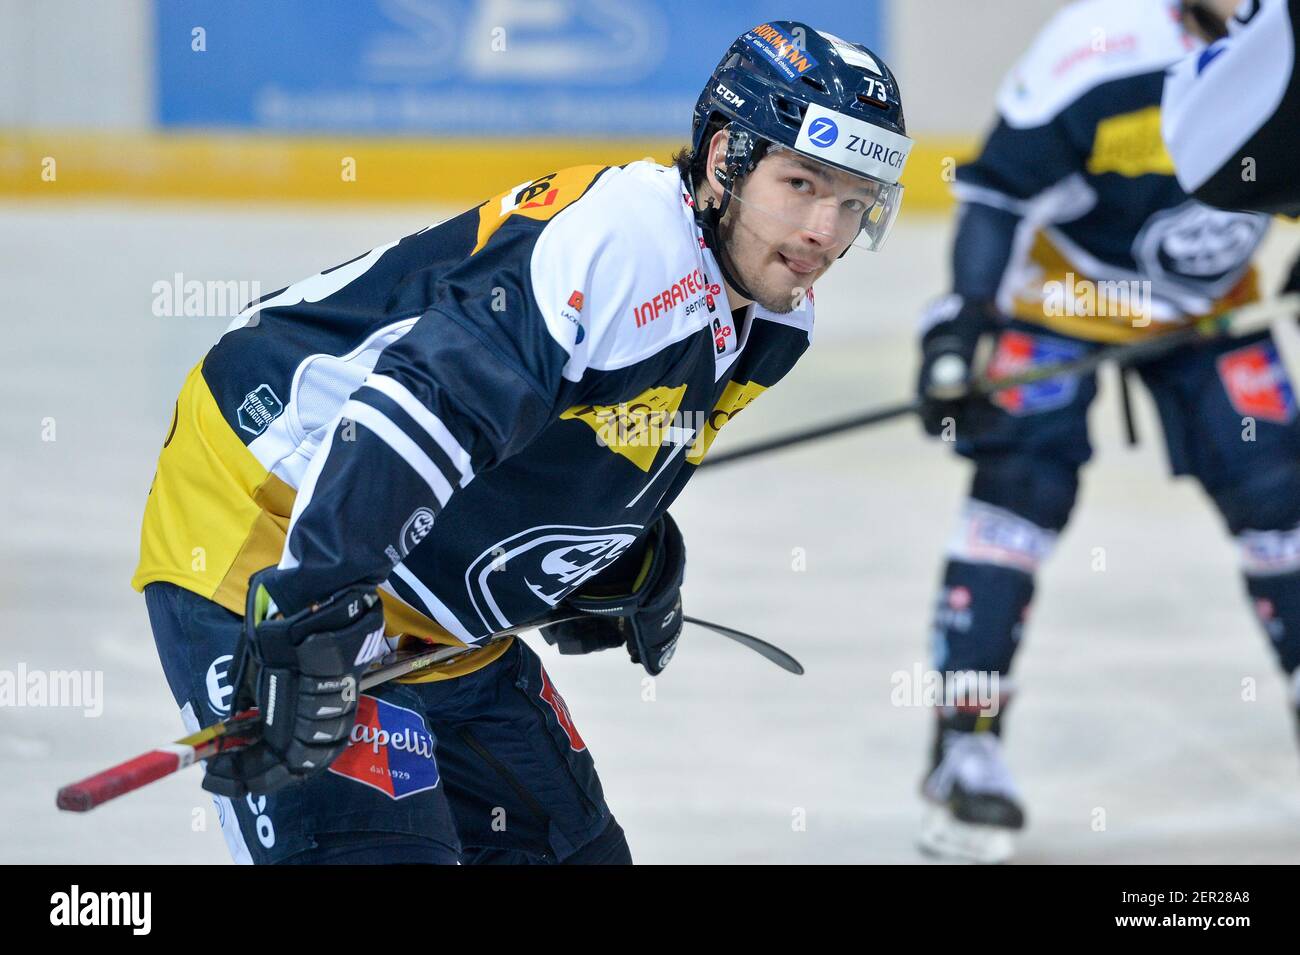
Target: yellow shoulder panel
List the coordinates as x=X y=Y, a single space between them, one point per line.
x=539 y=199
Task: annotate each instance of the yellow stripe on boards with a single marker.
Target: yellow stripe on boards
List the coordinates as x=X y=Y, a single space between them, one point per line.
x=248 y=166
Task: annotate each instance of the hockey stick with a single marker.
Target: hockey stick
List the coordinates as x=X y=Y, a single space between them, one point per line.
x=1246 y=318
x=243 y=728
x=761 y=647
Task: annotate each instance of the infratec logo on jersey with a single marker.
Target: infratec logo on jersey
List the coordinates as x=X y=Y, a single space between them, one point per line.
x=260 y=408
x=692 y=286
x=390 y=749
x=780 y=49
x=1256 y=383
x=1019 y=352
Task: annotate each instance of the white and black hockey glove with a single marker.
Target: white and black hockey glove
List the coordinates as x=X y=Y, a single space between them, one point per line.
x=301 y=673
x=636 y=602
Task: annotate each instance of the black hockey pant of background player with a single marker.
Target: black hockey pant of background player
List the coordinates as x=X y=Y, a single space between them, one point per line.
x=1229 y=417
x=485 y=768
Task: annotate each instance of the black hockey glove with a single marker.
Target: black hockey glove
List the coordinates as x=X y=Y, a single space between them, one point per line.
x=943 y=383
x=301 y=673
x=637 y=602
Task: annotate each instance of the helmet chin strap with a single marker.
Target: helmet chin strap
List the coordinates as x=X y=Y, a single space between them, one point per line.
x=709 y=219
x=744 y=150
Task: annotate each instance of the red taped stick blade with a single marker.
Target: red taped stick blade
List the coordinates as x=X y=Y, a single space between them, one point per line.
x=134 y=773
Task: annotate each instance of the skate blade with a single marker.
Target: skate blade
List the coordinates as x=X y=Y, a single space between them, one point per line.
x=947 y=838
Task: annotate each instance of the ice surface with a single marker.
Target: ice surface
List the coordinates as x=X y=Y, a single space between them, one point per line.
x=1131 y=679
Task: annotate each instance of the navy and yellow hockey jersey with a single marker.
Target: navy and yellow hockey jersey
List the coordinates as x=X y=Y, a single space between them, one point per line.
x=478 y=417
x=1072 y=217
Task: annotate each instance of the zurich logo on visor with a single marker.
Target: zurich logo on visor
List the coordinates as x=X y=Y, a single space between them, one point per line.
x=823 y=132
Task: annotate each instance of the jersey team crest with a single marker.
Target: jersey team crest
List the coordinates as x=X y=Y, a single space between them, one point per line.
x=390 y=750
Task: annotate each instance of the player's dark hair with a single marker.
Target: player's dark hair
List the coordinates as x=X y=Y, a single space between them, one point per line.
x=684 y=160
x=690 y=166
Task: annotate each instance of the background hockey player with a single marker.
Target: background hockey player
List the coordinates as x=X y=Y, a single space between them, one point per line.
x=458 y=431
x=1073 y=232
x=1232 y=110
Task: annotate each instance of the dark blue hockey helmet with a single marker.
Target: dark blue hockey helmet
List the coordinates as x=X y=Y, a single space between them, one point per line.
x=788 y=85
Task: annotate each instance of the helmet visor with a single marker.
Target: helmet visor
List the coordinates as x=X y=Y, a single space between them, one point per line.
x=832 y=206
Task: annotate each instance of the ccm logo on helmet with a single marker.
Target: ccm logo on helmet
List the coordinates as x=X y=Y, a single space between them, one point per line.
x=729 y=96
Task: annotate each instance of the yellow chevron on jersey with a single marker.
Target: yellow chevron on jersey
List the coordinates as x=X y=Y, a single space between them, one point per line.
x=635 y=428
x=215 y=516
x=1047 y=264
x=539 y=199
x=1130 y=144
x=736 y=397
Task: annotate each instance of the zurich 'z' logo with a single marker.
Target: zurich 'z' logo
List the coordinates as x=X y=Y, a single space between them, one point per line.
x=823 y=132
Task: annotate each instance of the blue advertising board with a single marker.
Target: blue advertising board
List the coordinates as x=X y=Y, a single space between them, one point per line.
x=461 y=67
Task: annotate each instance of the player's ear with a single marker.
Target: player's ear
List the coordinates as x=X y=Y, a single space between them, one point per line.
x=715 y=159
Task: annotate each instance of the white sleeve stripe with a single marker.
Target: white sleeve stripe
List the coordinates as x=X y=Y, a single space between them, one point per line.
x=383 y=428
x=426 y=419
x=432 y=605
x=287 y=560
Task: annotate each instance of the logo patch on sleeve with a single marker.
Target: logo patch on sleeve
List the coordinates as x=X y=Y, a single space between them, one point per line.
x=1018 y=352
x=390 y=750
x=260 y=408
x=1256 y=382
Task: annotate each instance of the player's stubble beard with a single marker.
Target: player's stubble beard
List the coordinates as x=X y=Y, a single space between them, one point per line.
x=753 y=260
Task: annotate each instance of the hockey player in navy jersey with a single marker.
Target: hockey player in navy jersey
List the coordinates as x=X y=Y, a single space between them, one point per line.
x=464 y=429
x=1074 y=233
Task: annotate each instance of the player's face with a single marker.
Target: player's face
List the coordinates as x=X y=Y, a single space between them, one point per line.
x=790 y=220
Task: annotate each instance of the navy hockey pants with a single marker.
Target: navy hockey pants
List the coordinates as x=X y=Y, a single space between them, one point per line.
x=484 y=768
x=1229 y=417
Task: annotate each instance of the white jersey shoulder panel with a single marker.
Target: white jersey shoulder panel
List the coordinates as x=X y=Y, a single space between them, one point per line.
x=1216 y=99
x=620 y=274
x=1088 y=43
